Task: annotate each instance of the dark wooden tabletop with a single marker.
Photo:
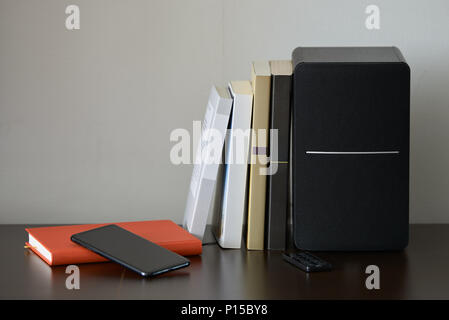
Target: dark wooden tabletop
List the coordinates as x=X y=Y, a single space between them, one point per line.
x=419 y=272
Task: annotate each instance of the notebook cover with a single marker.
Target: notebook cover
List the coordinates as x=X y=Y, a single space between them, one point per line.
x=277 y=183
x=257 y=179
x=165 y=233
x=231 y=193
x=204 y=176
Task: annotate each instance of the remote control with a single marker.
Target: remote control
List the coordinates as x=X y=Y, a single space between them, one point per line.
x=307 y=262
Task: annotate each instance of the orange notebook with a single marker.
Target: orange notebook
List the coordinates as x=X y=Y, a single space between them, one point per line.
x=54 y=246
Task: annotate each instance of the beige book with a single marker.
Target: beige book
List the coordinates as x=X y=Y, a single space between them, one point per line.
x=261 y=81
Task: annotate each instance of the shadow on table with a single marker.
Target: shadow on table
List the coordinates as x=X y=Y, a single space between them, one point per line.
x=40 y=270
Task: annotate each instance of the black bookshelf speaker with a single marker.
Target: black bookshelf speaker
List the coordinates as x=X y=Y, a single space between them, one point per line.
x=350 y=148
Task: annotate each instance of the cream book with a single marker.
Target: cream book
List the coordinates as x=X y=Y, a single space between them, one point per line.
x=231 y=191
x=208 y=158
x=261 y=83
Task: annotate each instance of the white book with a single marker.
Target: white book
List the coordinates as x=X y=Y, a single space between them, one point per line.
x=208 y=158
x=228 y=224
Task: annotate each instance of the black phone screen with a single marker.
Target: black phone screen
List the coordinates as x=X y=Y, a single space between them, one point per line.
x=130 y=250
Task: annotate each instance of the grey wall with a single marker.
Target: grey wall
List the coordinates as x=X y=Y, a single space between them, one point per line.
x=85 y=115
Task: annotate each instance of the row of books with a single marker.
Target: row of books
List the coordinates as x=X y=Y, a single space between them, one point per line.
x=242 y=174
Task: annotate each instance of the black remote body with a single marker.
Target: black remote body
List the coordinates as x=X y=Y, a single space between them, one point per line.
x=307 y=262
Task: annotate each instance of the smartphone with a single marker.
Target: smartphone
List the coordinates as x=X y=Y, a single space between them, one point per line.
x=130 y=250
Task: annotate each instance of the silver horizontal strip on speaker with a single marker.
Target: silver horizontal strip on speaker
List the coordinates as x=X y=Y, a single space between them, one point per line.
x=352 y=152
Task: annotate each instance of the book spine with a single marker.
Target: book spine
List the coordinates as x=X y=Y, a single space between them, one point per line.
x=258 y=166
x=228 y=229
x=277 y=184
x=204 y=173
